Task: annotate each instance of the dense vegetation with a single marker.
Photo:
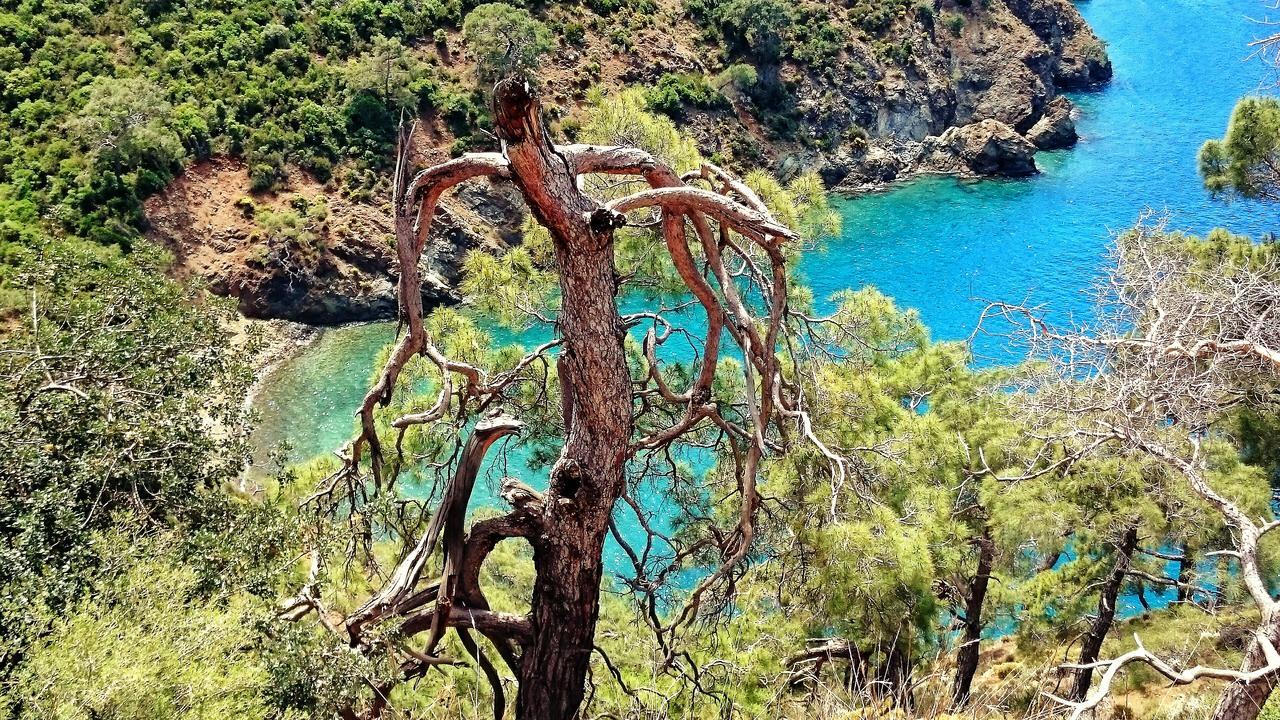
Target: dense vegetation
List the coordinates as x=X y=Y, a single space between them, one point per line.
x=102 y=103
x=142 y=574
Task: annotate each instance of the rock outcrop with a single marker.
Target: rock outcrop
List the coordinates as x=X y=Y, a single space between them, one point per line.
x=861 y=120
x=1082 y=57
x=985 y=148
x=1007 y=64
x=989 y=147
x=309 y=255
x=1056 y=129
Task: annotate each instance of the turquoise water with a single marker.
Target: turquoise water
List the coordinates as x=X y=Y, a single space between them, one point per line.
x=937 y=244
x=941 y=245
x=309 y=401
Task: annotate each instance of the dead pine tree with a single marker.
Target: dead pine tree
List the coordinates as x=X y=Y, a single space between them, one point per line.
x=723 y=243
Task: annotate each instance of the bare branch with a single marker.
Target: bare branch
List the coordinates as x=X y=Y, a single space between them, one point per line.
x=1175 y=676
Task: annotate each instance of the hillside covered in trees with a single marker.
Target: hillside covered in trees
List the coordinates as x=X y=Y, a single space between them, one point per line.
x=618 y=460
x=105 y=104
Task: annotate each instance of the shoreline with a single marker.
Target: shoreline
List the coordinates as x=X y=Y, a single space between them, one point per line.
x=887 y=186
x=282 y=341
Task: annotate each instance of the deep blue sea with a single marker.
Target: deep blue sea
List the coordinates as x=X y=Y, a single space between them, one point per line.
x=943 y=246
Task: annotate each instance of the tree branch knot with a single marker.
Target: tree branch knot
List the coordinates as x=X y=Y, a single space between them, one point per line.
x=605 y=220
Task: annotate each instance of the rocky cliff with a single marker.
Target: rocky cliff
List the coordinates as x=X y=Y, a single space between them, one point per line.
x=996 y=74
x=865 y=119
x=310 y=255
x=968 y=87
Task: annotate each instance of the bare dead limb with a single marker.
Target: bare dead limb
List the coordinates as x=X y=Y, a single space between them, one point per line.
x=449 y=517
x=1175 y=676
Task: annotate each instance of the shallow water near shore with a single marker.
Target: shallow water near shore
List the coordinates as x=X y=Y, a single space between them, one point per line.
x=942 y=245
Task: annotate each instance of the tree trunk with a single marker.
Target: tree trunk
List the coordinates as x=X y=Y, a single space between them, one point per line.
x=588 y=476
x=894 y=673
x=855 y=676
x=1091 y=647
x=1245 y=702
x=967 y=657
x=1185 y=566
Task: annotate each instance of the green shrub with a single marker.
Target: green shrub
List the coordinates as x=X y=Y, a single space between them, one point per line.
x=925 y=12
x=756 y=27
x=462 y=110
x=896 y=52
x=574 y=33
x=621 y=38
x=141 y=647
x=246 y=207
x=953 y=22
x=816 y=42
x=739 y=76
x=264 y=176
x=74 y=467
x=877 y=16
x=320 y=167
x=675 y=92
x=526 y=40
x=366 y=111
x=604 y=7
x=1271 y=710
x=857 y=136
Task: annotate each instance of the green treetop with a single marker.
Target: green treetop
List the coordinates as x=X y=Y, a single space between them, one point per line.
x=1246 y=161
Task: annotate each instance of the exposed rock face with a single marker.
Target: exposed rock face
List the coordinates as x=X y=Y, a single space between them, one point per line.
x=968 y=88
x=879 y=165
x=1082 y=57
x=282 y=256
x=1056 y=129
x=989 y=147
x=1007 y=62
x=860 y=120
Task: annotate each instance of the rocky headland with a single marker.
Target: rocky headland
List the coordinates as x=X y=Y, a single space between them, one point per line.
x=970 y=88
x=977 y=98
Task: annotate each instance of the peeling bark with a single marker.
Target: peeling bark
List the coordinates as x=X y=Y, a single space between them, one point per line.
x=588 y=476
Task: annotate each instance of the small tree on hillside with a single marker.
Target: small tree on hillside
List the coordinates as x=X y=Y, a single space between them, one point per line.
x=505 y=41
x=387 y=70
x=125 y=127
x=1246 y=161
